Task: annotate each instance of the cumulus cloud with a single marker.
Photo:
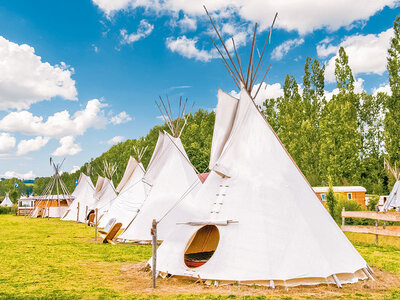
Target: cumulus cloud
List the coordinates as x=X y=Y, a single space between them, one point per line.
x=121 y=118
x=27 y=146
x=74 y=169
x=267 y=91
x=7 y=142
x=358 y=89
x=302 y=16
x=384 y=88
x=144 y=30
x=67 y=147
x=187 y=48
x=187 y=24
x=285 y=47
x=12 y=174
x=115 y=140
x=25 y=79
x=58 y=125
x=367 y=53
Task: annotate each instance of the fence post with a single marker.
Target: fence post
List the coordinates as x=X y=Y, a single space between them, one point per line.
x=343 y=210
x=376 y=225
x=154 y=244
x=95 y=232
x=86 y=220
x=77 y=214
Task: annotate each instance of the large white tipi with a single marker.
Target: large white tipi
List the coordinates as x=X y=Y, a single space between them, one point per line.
x=257 y=218
x=6 y=201
x=171 y=177
x=83 y=202
x=130 y=197
x=104 y=195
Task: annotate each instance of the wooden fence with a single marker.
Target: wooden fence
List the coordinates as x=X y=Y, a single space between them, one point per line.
x=372 y=215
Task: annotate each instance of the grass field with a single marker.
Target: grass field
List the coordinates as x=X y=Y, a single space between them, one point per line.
x=42 y=258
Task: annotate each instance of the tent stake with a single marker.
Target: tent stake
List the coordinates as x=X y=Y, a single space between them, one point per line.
x=368 y=274
x=95 y=232
x=339 y=285
x=271 y=284
x=154 y=245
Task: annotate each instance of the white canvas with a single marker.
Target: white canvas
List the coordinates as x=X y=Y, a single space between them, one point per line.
x=104 y=195
x=171 y=177
x=6 y=201
x=271 y=224
x=130 y=168
x=393 y=200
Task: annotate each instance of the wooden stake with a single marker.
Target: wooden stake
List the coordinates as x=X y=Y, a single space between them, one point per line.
x=376 y=225
x=154 y=244
x=86 y=220
x=343 y=210
x=77 y=214
x=339 y=285
x=95 y=232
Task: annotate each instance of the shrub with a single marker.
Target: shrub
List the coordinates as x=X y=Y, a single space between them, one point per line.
x=349 y=205
x=331 y=201
x=8 y=210
x=373 y=202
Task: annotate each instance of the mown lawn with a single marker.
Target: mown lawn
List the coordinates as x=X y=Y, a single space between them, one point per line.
x=41 y=258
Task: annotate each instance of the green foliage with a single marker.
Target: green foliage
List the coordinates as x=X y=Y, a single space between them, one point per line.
x=7 y=210
x=373 y=202
x=331 y=201
x=348 y=205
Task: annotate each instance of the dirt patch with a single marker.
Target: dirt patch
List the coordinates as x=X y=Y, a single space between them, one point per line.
x=136 y=279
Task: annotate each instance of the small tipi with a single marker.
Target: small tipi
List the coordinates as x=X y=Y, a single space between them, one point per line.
x=393 y=200
x=257 y=218
x=171 y=177
x=131 y=195
x=55 y=199
x=83 y=202
x=6 y=201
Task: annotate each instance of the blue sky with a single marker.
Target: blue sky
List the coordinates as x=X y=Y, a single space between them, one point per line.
x=79 y=75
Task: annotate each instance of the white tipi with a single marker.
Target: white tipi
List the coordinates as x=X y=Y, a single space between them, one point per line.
x=131 y=196
x=257 y=218
x=84 y=200
x=171 y=177
x=6 y=201
x=104 y=195
x=393 y=200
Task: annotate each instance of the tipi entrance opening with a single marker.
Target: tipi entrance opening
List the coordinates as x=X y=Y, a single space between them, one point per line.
x=201 y=246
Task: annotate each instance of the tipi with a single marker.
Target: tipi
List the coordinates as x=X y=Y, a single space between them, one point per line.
x=83 y=202
x=131 y=195
x=393 y=200
x=6 y=201
x=257 y=218
x=52 y=205
x=105 y=192
x=171 y=177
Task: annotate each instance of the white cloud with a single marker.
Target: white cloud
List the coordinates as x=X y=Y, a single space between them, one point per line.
x=144 y=30
x=12 y=174
x=267 y=91
x=302 y=16
x=358 y=89
x=324 y=50
x=74 y=169
x=187 y=24
x=25 y=79
x=58 y=125
x=187 y=48
x=367 y=53
x=115 y=140
x=285 y=47
x=121 y=118
x=95 y=48
x=27 y=146
x=7 y=142
x=385 y=88
x=67 y=147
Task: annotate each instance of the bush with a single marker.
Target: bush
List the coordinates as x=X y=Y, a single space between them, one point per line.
x=373 y=202
x=349 y=205
x=8 y=210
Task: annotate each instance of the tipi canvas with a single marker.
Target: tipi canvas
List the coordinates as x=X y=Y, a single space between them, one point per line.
x=257 y=218
x=6 y=201
x=130 y=198
x=83 y=195
x=393 y=200
x=104 y=195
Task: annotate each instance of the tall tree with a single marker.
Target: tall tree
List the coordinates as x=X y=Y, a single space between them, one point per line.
x=392 y=116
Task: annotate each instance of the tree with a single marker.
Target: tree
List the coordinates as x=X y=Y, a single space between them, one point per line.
x=331 y=200
x=392 y=116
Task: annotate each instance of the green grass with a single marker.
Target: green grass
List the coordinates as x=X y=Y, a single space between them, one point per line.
x=42 y=258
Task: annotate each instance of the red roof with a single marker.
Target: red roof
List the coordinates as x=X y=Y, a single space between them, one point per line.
x=203 y=176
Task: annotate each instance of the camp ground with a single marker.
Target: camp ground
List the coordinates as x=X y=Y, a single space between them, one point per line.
x=190 y=150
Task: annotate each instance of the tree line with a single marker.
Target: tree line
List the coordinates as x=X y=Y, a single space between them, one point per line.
x=344 y=139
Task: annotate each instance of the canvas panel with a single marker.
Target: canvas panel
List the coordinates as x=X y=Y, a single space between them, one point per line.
x=393 y=200
x=130 y=168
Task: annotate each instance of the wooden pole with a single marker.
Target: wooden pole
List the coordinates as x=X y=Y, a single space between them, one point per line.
x=77 y=214
x=154 y=244
x=376 y=225
x=86 y=216
x=95 y=232
x=343 y=210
